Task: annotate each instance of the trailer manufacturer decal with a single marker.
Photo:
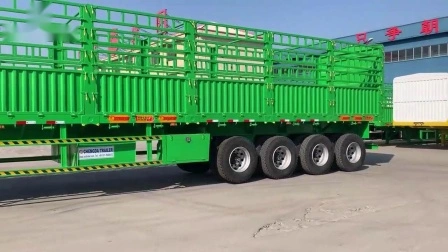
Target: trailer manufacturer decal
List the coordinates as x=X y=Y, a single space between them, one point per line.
x=87 y=153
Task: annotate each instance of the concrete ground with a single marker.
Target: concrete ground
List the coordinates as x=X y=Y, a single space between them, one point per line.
x=398 y=202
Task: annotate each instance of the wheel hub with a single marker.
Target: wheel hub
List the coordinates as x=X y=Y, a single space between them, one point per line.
x=239 y=159
x=281 y=157
x=353 y=152
x=320 y=154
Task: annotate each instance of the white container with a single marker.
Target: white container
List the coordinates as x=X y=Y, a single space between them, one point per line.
x=421 y=100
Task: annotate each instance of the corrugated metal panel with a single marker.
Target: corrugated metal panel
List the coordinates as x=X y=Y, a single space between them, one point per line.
x=134 y=94
x=40 y=91
x=355 y=101
x=421 y=98
x=230 y=97
x=297 y=99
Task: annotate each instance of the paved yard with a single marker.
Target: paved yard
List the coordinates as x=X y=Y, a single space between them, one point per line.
x=398 y=203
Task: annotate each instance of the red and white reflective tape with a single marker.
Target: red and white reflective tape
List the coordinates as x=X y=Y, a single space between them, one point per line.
x=249 y=120
x=212 y=121
x=314 y=120
x=233 y=120
x=284 y=120
x=55 y=122
x=25 y=122
x=301 y=120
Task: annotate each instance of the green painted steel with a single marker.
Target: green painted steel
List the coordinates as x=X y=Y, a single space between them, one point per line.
x=93 y=72
x=105 y=61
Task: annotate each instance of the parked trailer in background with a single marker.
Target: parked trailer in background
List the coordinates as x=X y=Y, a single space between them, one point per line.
x=213 y=96
x=420 y=101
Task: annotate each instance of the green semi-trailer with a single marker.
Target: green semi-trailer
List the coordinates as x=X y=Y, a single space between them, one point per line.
x=215 y=97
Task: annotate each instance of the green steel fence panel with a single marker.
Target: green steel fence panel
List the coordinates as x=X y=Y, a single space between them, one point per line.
x=101 y=60
x=357 y=101
x=301 y=100
x=128 y=94
x=32 y=91
x=387 y=106
x=223 y=96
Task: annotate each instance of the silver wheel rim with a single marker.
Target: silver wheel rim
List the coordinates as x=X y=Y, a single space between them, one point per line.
x=353 y=152
x=239 y=159
x=281 y=157
x=320 y=154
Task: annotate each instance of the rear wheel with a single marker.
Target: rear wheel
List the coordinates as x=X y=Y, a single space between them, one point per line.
x=278 y=157
x=197 y=168
x=350 y=152
x=316 y=154
x=236 y=160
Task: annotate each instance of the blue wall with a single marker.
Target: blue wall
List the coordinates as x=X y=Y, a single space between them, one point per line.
x=428 y=65
x=415 y=42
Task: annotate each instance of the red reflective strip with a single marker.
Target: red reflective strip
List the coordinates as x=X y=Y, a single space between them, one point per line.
x=20 y=122
x=312 y=120
x=344 y=118
x=299 y=120
x=249 y=120
x=232 y=120
x=357 y=118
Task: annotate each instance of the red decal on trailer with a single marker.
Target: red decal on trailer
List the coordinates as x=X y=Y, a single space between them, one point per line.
x=144 y=119
x=429 y=26
x=168 y=118
x=344 y=118
x=369 y=118
x=357 y=118
x=393 y=32
x=119 y=118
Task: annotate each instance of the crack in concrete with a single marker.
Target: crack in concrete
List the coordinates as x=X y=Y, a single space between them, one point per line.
x=311 y=217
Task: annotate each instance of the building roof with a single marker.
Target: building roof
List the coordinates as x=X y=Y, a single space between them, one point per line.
x=401 y=32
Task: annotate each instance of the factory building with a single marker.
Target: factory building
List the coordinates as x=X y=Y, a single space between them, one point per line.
x=420 y=47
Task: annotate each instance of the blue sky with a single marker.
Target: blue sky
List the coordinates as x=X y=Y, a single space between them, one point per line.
x=322 y=18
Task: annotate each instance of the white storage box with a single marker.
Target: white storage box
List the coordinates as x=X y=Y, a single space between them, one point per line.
x=421 y=100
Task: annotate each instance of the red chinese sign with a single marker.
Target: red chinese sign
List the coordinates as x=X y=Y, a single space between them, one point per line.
x=361 y=37
x=429 y=26
x=392 y=33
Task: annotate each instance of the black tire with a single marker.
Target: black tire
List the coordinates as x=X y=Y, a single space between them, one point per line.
x=307 y=149
x=228 y=150
x=197 y=168
x=357 y=152
x=275 y=150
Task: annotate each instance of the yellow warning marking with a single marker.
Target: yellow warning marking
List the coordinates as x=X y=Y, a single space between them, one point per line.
x=79 y=140
x=75 y=169
x=421 y=124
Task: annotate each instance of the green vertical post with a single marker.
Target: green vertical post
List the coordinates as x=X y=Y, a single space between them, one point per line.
x=57 y=53
x=89 y=88
x=268 y=39
x=149 y=143
x=190 y=67
x=330 y=64
x=143 y=58
x=213 y=62
x=63 y=148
